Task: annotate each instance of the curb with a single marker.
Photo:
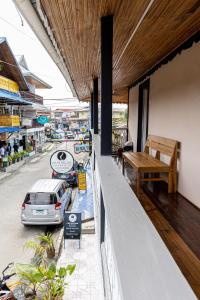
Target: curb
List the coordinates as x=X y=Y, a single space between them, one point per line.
x=11 y=172
x=58 y=244
x=6 y=175
x=26 y=161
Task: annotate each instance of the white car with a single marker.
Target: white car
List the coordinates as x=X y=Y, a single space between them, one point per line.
x=69 y=135
x=46 y=202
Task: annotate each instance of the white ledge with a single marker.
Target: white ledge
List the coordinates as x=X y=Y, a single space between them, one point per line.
x=145 y=267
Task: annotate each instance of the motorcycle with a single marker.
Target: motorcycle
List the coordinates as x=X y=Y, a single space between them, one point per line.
x=10 y=290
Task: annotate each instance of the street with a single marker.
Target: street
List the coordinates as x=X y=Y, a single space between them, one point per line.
x=13 y=234
x=13 y=189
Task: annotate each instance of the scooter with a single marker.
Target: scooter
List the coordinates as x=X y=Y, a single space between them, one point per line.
x=5 y=292
x=10 y=290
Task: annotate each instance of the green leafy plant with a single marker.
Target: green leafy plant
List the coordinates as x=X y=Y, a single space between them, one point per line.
x=29 y=148
x=46 y=240
x=41 y=279
x=10 y=158
x=44 y=282
x=17 y=155
x=14 y=156
x=23 y=153
x=42 y=245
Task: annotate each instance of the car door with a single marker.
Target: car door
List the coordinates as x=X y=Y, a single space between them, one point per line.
x=64 y=197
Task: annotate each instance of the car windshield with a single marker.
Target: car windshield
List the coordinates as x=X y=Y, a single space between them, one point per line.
x=40 y=198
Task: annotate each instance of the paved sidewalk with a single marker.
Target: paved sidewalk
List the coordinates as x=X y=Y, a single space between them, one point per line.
x=14 y=167
x=4 y=175
x=86 y=281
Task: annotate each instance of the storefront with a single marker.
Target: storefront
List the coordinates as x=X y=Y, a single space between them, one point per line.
x=10 y=113
x=34 y=138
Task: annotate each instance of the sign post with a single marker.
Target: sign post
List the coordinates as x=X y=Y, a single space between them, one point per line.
x=61 y=161
x=42 y=120
x=72 y=226
x=82 y=184
x=81 y=147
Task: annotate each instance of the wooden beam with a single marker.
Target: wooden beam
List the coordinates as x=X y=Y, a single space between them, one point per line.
x=106 y=84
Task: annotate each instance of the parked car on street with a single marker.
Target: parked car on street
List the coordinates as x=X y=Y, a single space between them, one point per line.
x=69 y=135
x=70 y=177
x=46 y=202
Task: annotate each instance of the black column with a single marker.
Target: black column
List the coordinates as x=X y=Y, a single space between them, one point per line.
x=91 y=112
x=95 y=105
x=102 y=218
x=106 y=84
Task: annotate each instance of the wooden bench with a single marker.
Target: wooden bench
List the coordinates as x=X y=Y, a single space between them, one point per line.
x=146 y=162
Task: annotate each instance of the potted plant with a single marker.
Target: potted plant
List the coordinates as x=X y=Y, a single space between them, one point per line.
x=10 y=159
x=30 y=148
x=21 y=155
x=46 y=240
x=14 y=158
x=43 y=244
x=5 y=162
x=18 y=156
x=45 y=281
x=41 y=279
x=24 y=153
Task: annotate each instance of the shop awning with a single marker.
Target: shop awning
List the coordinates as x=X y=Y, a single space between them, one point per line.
x=12 y=98
x=9 y=129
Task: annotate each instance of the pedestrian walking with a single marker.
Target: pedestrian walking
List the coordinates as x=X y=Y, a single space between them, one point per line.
x=2 y=154
x=16 y=147
x=8 y=149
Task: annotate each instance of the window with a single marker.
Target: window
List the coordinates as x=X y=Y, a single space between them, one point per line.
x=61 y=191
x=40 y=199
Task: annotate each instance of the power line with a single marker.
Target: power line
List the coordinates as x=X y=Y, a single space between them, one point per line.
x=35 y=40
x=12 y=25
x=18 y=66
x=61 y=99
x=22 y=22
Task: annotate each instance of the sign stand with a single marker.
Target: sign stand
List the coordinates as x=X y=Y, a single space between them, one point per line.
x=72 y=227
x=61 y=161
x=79 y=244
x=82 y=183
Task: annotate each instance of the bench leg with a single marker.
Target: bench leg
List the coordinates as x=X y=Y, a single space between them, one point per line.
x=171 y=182
x=138 y=191
x=122 y=166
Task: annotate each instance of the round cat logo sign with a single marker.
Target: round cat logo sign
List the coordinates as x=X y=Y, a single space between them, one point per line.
x=72 y=218
x=61 y=161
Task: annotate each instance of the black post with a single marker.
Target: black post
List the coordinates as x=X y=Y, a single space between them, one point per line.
x=91 y=112
x=106 y=84
x=95 y=105
x=102 y=218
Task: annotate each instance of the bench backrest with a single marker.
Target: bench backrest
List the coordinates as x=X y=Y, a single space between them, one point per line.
x=162 y=146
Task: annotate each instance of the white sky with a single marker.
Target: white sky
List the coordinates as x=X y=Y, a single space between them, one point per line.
x=22 y=40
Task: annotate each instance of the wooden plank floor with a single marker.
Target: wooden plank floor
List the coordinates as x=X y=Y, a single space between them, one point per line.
x=185 y=258
x=178 y=223
x=181 y=214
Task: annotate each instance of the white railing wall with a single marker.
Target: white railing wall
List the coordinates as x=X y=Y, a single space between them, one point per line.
x=136 y=263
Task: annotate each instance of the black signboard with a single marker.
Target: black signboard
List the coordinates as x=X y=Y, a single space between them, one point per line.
x=72 y=226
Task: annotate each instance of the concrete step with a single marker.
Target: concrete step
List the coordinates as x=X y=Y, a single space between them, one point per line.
x=88 y=227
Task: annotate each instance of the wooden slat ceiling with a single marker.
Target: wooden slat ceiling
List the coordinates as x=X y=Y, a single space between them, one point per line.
x=136 y=48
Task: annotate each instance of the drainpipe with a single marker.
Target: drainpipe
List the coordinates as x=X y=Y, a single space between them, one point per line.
x=39 y=25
